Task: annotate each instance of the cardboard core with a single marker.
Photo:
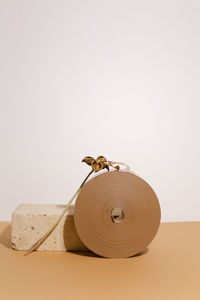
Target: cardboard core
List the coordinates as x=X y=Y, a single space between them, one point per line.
x=117 y=215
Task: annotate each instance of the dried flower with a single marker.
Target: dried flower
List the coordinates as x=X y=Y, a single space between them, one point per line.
x=98 y=164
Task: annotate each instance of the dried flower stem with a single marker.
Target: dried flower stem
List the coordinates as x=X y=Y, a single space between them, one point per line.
x=45 y=236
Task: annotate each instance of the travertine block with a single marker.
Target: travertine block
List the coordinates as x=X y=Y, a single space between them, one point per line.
x=31 y=221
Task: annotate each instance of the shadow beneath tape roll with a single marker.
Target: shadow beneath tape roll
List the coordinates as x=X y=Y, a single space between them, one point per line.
x=141 y=253
x=87 y=253
x=92 y=254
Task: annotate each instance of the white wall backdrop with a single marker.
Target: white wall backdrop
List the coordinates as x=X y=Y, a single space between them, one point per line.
x=118 y=78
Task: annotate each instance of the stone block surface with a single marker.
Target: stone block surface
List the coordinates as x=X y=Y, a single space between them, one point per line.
x=31 y=221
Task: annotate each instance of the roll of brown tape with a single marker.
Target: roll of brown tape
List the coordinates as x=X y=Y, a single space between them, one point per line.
x=117 y=214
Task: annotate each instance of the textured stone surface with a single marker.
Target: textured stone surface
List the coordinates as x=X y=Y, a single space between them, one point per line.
x=31 y=221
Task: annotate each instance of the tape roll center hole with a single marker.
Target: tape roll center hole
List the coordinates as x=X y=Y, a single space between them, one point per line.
x=117 y=215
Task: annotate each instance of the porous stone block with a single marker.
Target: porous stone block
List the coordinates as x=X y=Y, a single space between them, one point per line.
x=31 y=221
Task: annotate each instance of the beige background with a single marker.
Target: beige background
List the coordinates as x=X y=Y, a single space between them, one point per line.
x=118 y=78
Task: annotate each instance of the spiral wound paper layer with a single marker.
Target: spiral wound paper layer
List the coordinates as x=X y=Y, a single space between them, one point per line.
x=117 y=214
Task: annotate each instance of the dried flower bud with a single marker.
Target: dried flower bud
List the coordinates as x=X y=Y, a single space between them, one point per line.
x=99 y=164
x=96 y=166
x=101 y=159
x=88 y=160
x=106 y=166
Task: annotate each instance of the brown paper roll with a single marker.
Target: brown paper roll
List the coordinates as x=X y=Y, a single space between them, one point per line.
x=117 y=214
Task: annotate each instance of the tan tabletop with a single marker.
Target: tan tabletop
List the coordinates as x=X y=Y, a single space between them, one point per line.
x=169 y=269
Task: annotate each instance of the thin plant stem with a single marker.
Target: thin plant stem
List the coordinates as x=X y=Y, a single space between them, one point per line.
x=45 y=236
